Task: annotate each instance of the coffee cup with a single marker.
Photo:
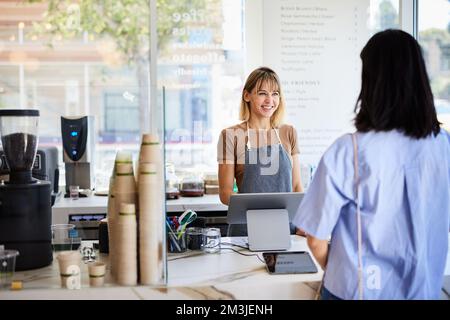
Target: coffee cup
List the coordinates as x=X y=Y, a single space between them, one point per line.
x=69 y=269
x=97 y=272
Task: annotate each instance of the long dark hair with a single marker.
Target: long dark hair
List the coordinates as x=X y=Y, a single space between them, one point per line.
x=395 y=90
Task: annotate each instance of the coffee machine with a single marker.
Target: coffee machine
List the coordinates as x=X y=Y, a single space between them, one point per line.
x=45 y=167
x=25 y=205
x=78 y=138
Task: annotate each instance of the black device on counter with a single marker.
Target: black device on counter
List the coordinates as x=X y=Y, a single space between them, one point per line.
x=25 y=202
x=289 y=262
x=45 y=167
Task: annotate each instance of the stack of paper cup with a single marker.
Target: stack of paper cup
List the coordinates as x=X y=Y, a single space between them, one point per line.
x=151 y=152
x=150 y=226
x=111 y=216
x=69 y=269
x=151 y=195
x=126 y=262
x=150 y=149
x=125 y=188
x=124 y=185
x=122 y=157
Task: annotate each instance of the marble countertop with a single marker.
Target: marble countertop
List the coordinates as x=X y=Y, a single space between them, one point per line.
x=191 y=275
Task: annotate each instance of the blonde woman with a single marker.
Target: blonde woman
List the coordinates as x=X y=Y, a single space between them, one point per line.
x=261 y=153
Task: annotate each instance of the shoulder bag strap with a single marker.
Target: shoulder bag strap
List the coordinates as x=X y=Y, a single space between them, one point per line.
x=358 y=216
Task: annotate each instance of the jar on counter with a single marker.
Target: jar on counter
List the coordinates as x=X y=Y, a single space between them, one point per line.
x=172 y=182
x=192 y=187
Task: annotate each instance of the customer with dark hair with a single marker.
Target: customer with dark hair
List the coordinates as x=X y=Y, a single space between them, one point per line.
x=383 y=193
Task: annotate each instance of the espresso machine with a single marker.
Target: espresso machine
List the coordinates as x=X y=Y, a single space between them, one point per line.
x=78 y=138
x=25 y=205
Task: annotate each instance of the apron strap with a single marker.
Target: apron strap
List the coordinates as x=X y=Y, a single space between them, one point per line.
x=248 y=137
x=278 y=135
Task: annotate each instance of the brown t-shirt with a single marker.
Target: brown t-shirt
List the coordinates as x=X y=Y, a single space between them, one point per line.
x=232 y=144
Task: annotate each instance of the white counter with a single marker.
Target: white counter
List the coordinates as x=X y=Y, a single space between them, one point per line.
x=193 y=275
x=209 y=202
x=98 y=204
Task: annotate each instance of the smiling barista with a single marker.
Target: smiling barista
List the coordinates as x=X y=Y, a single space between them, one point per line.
x=260 y=152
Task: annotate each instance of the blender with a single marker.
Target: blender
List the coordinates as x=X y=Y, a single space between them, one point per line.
x=25 y=202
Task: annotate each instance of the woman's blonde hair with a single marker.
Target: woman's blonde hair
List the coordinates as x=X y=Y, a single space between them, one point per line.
x=256 y=80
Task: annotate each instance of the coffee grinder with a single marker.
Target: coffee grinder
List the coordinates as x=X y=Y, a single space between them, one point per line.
x=78 y=139
x=25 y=205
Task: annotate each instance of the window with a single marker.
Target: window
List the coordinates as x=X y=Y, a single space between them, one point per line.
x=384 y=14
x=201 y=67
x=84 y=71
x=91 y=71
x=116 y=105
x=434 y=37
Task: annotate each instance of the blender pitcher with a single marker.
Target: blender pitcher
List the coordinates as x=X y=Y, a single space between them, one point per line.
x=19 y=132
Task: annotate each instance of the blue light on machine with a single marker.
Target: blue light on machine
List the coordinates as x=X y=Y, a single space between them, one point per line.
x=74 y=133
x=74 y=152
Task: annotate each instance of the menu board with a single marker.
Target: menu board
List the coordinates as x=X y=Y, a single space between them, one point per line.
x=314 y=46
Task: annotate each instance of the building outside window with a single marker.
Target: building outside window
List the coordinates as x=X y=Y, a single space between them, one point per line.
x=434 y=37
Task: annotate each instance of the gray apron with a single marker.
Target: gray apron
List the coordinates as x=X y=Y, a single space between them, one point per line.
x=262 y=174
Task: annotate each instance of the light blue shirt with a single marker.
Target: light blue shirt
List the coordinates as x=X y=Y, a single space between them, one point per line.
x=405 y=207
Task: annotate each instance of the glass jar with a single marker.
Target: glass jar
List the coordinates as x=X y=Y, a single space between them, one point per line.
x=192 y=187
x=172 y=182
